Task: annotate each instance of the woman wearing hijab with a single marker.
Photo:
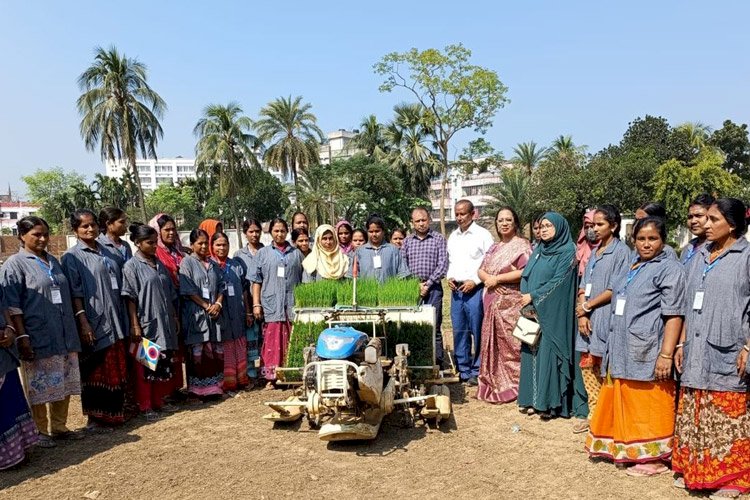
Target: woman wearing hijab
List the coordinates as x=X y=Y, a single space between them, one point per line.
x=326 y=260
x=548 y=284
x=211 y=227
x=344 y=232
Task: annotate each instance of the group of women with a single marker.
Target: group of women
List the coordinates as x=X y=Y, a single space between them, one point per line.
x=649 y=350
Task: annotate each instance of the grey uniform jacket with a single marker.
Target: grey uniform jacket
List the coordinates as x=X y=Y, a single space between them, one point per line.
x=716 y=332
x=635 y=337
x=154 y=294
x=247 y=260
x=27 y=287
x=391 y=262
x=197 y=325
x=90 y=273
x=277 y=293
x=599 y=273
x=232 y=316
x=121 y=254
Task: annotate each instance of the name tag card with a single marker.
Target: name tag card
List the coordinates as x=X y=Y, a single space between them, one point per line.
x=56 y=295
x=230 y=290
x=377 y=262
x=698 y=300
x=113 y=282
x=620 y=306
x=281 y=272
x=587 y=292
x=206 y=293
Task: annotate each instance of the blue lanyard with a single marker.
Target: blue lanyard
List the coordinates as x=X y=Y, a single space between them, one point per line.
x=47 y=270
x=633 y=273
x=707 y=268
x=282 y=255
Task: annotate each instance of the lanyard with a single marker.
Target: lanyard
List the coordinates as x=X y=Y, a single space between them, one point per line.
x=47 y=270
x=708 y=267
x=691 y=252
x=633 y=273
x=282 y=255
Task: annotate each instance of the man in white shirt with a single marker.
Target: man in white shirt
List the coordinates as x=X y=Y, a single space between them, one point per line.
x=466 y=248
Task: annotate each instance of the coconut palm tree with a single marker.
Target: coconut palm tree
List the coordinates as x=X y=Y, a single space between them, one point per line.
x=120 y=112
x=226 y=149
x=528 y=156
x=409 y=138
x=293 y=134
x=370 y=139
x=514 y=191
x=697 y=132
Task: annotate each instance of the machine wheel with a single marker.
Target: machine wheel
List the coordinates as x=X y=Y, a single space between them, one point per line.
x=313 y=422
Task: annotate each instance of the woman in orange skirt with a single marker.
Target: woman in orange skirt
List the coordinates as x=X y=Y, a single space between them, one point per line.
x=633 y=422
x=712 y=435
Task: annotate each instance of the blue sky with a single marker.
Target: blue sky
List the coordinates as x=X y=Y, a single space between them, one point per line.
x=579 y=68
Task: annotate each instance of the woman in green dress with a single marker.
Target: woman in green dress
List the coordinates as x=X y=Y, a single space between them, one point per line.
x=548 y=284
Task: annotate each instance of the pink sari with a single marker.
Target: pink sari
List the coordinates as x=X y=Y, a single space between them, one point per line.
x=500 y=354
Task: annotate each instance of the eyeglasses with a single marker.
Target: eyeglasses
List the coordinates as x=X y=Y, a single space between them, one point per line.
x=546 y=226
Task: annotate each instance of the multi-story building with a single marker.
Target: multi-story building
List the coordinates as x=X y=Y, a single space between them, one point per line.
x=473 y=187
x=13 y=211
x=338 y=146
x=153 y=173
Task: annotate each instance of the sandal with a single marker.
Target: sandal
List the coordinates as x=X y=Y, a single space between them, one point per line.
x=679 y=482
x=169 y=408
x=581 y=426
x=46 y=441
x=152 y=416
x=68 y=436
x=646 y=470
x=94 y=428
x=546 y=416
x=723 y=493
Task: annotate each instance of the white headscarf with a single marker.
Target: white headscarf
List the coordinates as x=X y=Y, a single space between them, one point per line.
x=330 y=265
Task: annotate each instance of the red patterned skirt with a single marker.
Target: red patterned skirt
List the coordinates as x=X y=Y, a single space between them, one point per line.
x=712 y=440
x=104 y=384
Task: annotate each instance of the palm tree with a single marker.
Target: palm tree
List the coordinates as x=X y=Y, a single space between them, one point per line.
x=528 y=156
x=409 y=154
x=370 y=138
x=120 y=112
x=293 y=134
x=315 y=197
x=697 y=132
x=226 y=149
x=514 y=191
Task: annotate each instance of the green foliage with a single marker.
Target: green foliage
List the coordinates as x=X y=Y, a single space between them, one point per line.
x=417 y=335
x=528 y=156
x=367 y=292
x=370 y=138
x=676 y=183
x=514 y=191
x=733 y=140
x=119 y=111
x=316 y=294
x=655 y=133
x=479 y=156
x=178 y=201
x=399 y=292
x=622 y=178
x=303 y=335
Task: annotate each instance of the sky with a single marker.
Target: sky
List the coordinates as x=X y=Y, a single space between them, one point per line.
x=584 y=69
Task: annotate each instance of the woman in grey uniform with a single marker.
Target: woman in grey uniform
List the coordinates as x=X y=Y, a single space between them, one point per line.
x=232 y=315
x=633 y=422
x=37 y=294
x=377 y=258
x=712 y=432
x=95 y=284
x=150 y=296
x=113 y=224
x=610 y=259
x=246 y=257
x=202 y=290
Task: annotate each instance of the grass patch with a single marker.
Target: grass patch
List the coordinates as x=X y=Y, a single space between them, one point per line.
x=317 y=294
x=399 y=293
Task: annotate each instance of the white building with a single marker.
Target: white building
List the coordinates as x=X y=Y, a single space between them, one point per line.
x=473 y=187
x=13 y=211
x=338 y=146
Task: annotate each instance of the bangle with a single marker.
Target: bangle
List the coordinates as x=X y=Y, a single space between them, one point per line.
x=11 y=327
x=22 y=337
x=219 y=304
x=257 y=305
x=78 y=313
x=665 y=356
x=585 y=309
x=680 y=345
x=747 y=348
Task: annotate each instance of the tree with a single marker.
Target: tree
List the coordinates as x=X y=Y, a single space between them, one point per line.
x=564 y=148
x=733 y=140
x=178 y=201
x=293 y=134
x=409 y=154
x=478 y=156
x=225 y=150
x=260 y=195
x=370 y=138
x=53 y=190
x=677 y=184
x=655 y=133
x=528 y=156
x=120 y=112
x=514 y=191
x=698 y=134
x=622 y=178
x=456 y=94
x=112 y=192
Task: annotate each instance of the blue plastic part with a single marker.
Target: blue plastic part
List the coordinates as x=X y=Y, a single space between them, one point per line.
x=340 y=342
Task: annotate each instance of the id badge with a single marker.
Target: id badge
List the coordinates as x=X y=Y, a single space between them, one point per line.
x=56 y=295
x=113 y=281
x=698 y=300
x=377 y=263
x=587 y=292
x=230 y=290
x=620 y=306
x=281 y=272
x=206 y=293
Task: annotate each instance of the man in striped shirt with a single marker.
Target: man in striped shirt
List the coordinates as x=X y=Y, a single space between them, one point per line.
x=426 y=254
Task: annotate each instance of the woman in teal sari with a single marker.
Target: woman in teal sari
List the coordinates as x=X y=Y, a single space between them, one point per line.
x=548 y=283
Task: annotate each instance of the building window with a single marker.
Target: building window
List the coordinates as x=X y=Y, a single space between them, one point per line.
x=144 y=168
x=14 y=215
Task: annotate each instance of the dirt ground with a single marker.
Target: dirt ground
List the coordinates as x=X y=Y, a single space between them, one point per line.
x=226 y=450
